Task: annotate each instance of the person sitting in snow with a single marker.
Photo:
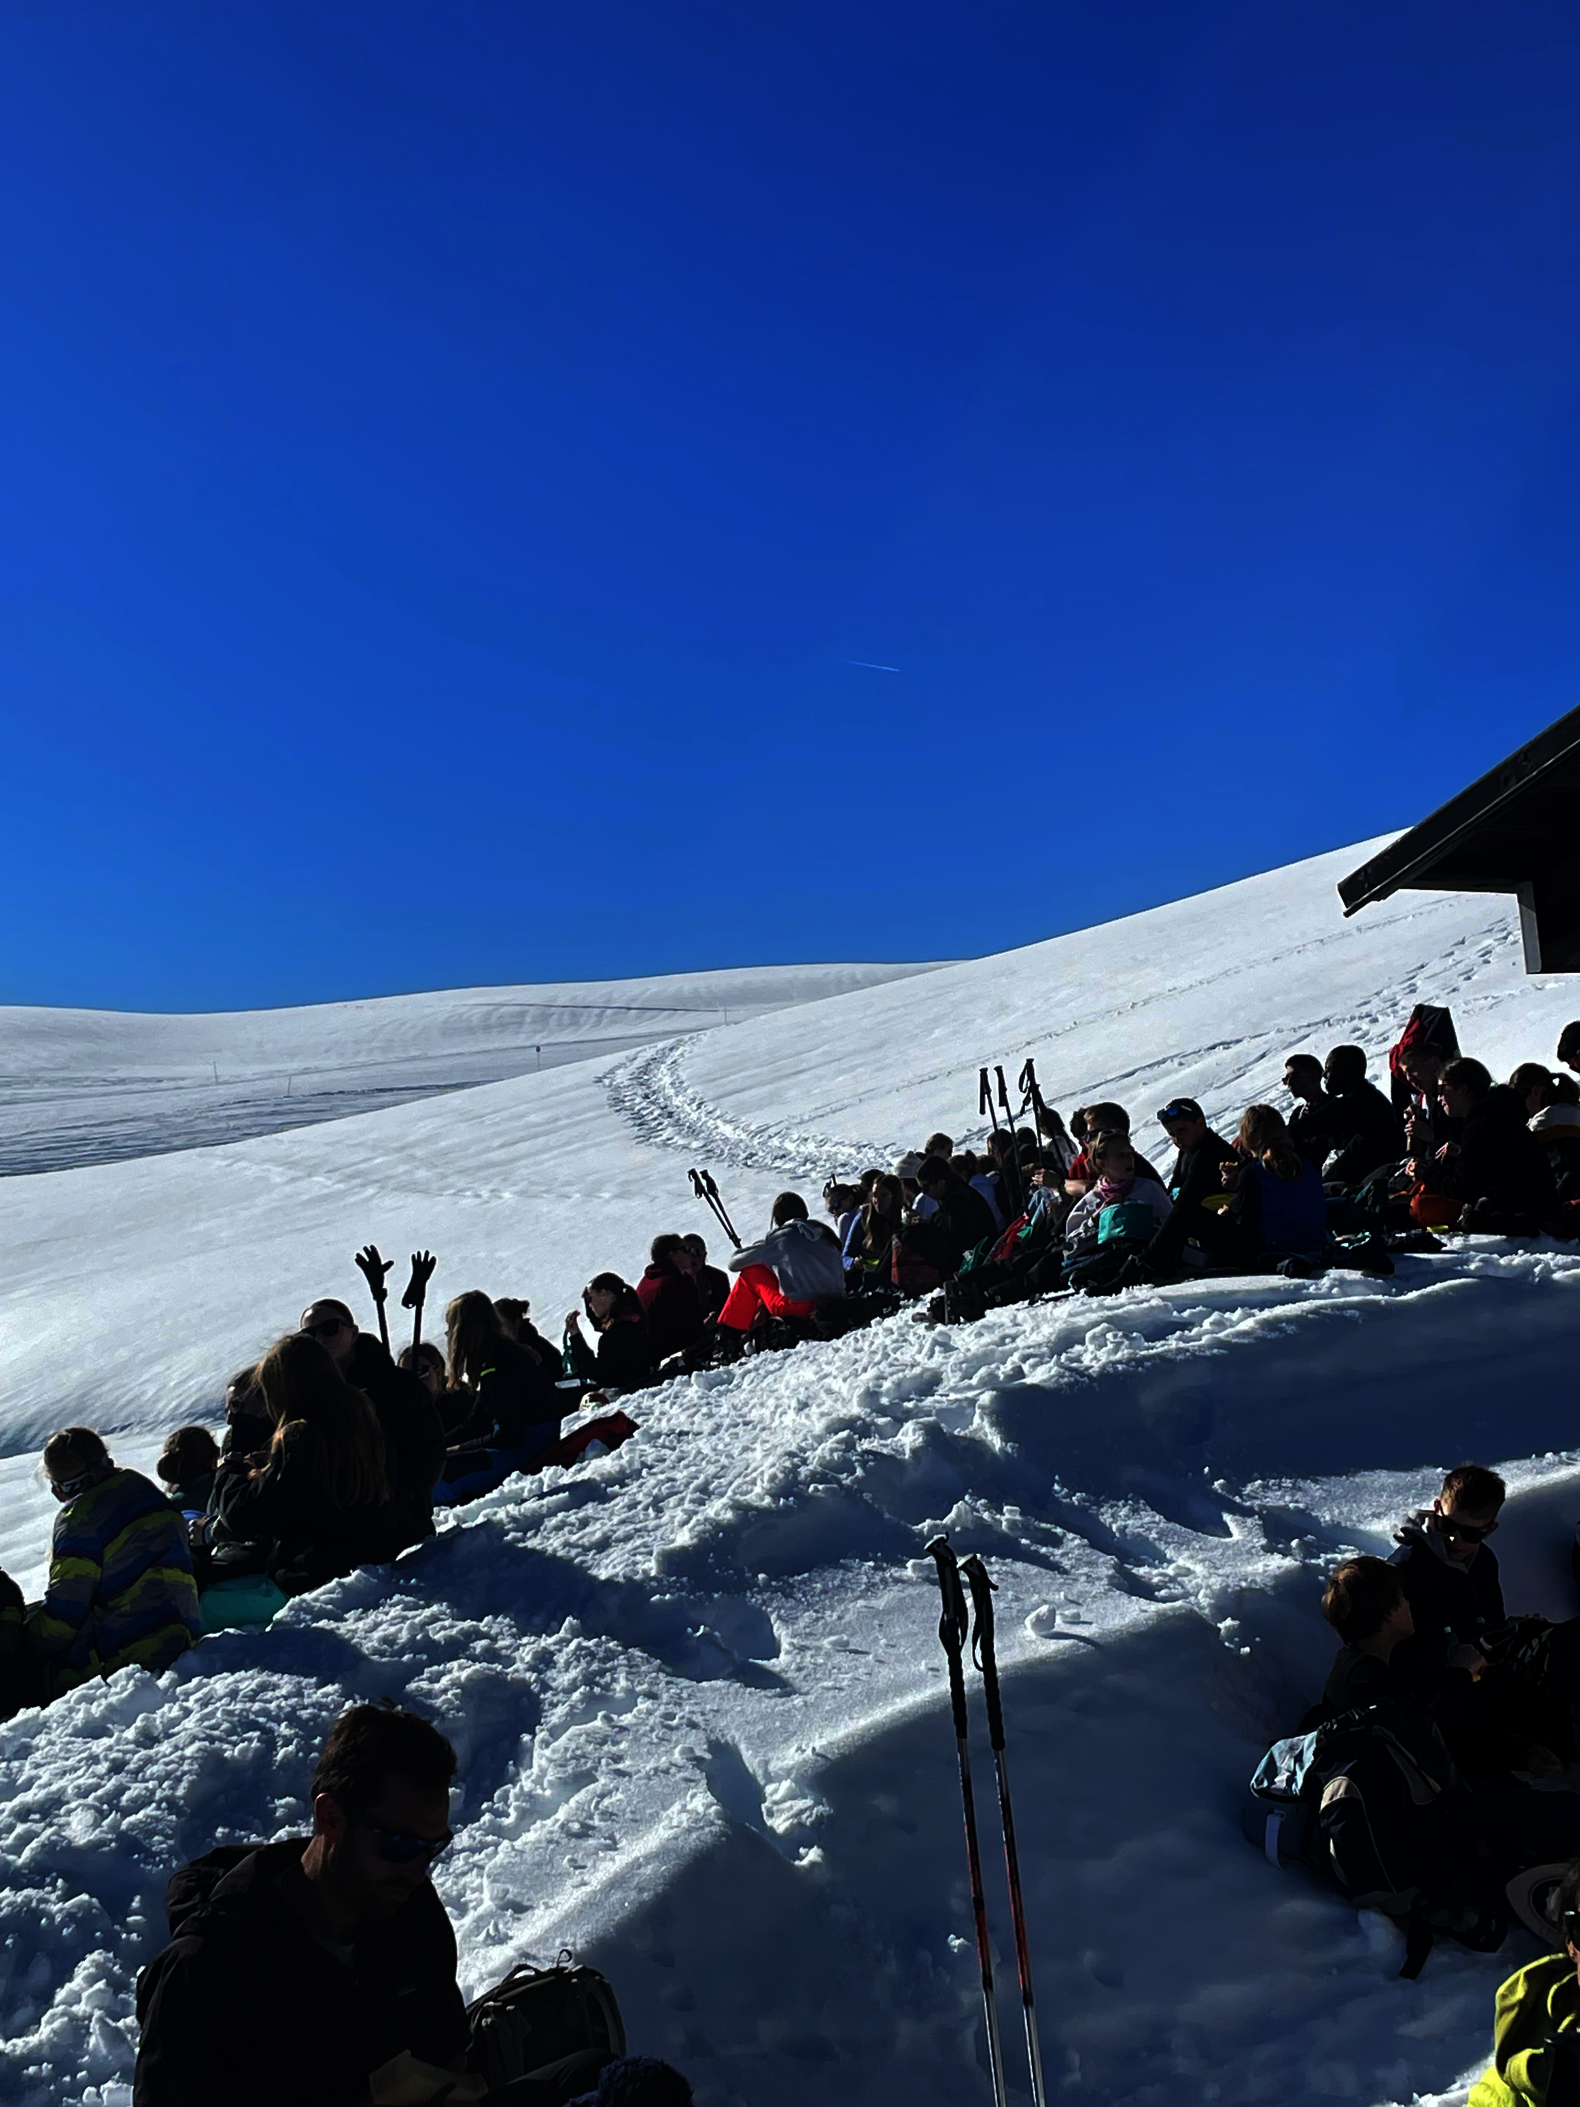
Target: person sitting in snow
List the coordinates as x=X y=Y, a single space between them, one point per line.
x=1496 y=1167
x=1115 y=1218
x=1364 y=1130
x=795 y=1266
x=1366 y=1604
x=516 y=1408
x=667 y=1292
x=120 y=1592
x=1308 y=1123
x=1536 y=2019
x=963 y=1216
x=624 y=1358
x=713 y=1286
x=413 y=1432
x=186 y=1468
x=1196 y=1176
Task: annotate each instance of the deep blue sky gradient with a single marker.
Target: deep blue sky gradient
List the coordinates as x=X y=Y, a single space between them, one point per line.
x=453 y=453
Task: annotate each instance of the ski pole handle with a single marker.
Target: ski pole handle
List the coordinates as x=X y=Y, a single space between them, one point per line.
x=982 y=1592
x=984 y=1093
x=952 y=1627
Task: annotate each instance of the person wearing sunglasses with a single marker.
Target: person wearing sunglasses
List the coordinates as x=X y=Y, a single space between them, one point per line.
x=1449 y=1573
x=1536 y=2018
x=298 y=1970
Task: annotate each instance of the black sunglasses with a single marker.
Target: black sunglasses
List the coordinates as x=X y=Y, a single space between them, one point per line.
x=1465 y=1531
x=325 y=1328
x=401 y=1848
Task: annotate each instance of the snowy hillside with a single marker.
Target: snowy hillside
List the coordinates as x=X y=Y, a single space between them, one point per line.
x=94 y=1086
x=695 y=1685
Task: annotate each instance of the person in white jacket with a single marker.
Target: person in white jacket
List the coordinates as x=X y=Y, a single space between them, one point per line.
x=795 y=1266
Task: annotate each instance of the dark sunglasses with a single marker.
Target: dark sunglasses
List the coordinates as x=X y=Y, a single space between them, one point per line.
x=401 y=1848
x=1177 y=1111
x=325 y=1328
x=1466 y=1532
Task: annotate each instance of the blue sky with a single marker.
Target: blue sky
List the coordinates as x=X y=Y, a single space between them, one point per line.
x=455 y=454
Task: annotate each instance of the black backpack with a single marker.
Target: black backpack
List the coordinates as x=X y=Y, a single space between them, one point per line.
x=1372 y=1800
x=560 y=2024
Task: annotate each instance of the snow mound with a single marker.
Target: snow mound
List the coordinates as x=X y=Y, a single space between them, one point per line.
x=695 y=1684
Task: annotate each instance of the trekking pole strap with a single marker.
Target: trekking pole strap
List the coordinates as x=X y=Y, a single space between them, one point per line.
x=952 y=1628
x=982 y=1652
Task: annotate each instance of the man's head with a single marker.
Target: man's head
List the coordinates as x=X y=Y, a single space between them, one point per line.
x=1345 y=1068
x=1465 y=1512
x=1183 y=1121
x=934 y=1176
x=938 y=1145
x=1106 y=1119
x=664 y=1248
x=1366 y=1597
x=381 y=1809
x=789 y=1207
x=332 y=1325
x=1303 y=1076
x=73 y=1459
x=1421 y=1066
x=1569 y=1047
x=697 y=1249
x=1532 y=1084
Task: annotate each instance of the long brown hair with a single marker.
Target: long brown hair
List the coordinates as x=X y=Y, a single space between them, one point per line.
x=474 y=1335
x=879 y=1229
x=323 y=1419
x=1264 y=1135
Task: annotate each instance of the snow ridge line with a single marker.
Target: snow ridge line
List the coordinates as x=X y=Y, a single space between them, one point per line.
x=647 y=1091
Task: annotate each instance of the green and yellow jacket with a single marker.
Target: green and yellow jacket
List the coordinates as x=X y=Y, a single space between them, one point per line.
x=120 y=1584
x=1534 y=2007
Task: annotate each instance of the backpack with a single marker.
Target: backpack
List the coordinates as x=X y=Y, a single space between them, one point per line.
x=1372 y=1801
x=542 y=2016
x=1132 y=1220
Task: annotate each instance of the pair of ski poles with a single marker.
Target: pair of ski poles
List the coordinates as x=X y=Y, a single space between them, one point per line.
x=952 y=1630
x=704 y=1188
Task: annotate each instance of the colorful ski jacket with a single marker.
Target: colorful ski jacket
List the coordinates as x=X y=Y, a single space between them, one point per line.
x=120 y=1583
x=1533 y=2036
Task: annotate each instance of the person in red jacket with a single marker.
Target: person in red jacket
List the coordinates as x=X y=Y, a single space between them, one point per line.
x=667 y=1292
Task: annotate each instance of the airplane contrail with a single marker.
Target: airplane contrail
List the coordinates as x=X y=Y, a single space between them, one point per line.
x=870 y=664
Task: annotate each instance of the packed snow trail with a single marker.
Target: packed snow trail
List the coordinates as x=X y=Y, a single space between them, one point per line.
x=696 y=1684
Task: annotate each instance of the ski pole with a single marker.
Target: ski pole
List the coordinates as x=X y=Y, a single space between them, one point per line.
x=703 y=1185
x=1003 y=1094
x=981 y=1587
x=952 y=1631
x=422 y=1264
x=373 y=1269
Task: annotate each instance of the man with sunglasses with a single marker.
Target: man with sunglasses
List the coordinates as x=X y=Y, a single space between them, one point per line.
x=1449 y=1573
x=303 y=1970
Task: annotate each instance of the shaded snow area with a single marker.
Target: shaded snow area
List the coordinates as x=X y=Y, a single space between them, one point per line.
x=97 y=1086
x=696 y=1685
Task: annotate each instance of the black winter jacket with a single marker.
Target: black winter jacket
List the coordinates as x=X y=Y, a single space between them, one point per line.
x=624 y=1359
x=1499 y=1161
x=246 y=2006
x=311 y=1540
x=413 y=1433
x=1450 y=1604
x=1364 y=1132
x=512 y=1395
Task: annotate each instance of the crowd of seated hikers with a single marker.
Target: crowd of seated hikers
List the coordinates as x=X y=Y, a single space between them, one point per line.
x=335 y=1453
x=1438 y=1779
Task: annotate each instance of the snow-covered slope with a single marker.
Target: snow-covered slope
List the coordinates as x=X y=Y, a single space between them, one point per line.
x=695 y=1685
x=94 y=1086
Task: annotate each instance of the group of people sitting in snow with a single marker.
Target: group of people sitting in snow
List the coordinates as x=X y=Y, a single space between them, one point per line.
x=1438 y=1780
x=335 y=1454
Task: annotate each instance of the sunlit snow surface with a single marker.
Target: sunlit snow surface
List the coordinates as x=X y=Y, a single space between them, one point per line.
x=696 y=1685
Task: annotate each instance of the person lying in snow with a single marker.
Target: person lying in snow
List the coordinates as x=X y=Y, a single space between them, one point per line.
x=321 y=1970
x=1536 y=2020
x=120 y=1590
x=794 y=1267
